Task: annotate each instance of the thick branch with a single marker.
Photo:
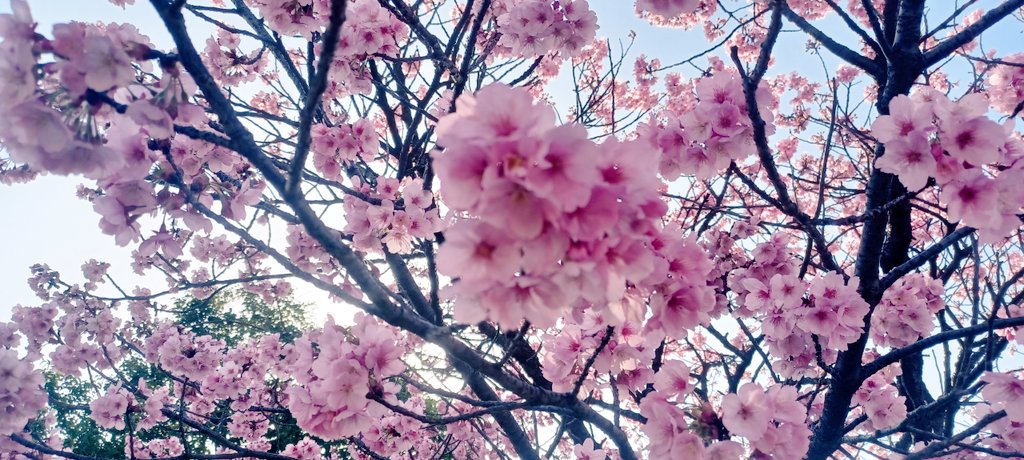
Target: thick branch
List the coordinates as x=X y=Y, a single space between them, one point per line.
x=951 y=44
x=316 y=90
x=844 y=53
x=893 y=356
x=922 y=258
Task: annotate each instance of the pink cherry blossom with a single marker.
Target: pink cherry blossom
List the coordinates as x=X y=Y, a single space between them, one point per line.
x=904 y=118
x=475 y=251
x=588 y=451
x=673 y=379
x=152 y=117
x=667 y=430
x=21 y=394
x=773 y=421
x=972 y=198
x=667 y=8
x=973 y=140
x=110 y=410
x=910 y=158
x=1006 y=84
x=1008 y=390
x=746 y=412
x=104 y=64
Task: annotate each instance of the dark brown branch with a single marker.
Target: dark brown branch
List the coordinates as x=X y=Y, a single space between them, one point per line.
x=934 y=448
x=590 y=361
x=316 y=90
x=928 y=342
x=844 y=53
x=922 y=258
x=950 y=45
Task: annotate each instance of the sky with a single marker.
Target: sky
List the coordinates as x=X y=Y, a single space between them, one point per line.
x=43 y=221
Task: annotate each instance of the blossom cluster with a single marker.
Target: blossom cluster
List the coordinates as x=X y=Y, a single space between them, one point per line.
x=231 y=65
x=87 y=330
x=539 y=27
x=835 y=311
x=550 y=218
x=335 y=147
x=305 y=449
x=334 y=374
x=1015 y=334
x=774 y=421
x=671 y=437
x=906 y=311
x=406 y=212
x=152 y=407
x=798 y=317
x=88 y=58
x=370 y=31
x=880 y=400
x=1006 y=84
x=182 y=352
x=155 y=448
x=307 y=254
x=21 y=393
x=588 y=451
x=86 y=113
x=667 y=8
x=667 y=430
x=625 y=354
x=974 y=160
x=34 y=324
x=110 y=409
x=1005 y=391
x=703 y=141
x=294 y=17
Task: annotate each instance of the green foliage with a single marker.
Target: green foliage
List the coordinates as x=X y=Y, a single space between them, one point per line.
x=81 y=434
x=283 y=430
x=236 y=317
x=230 y=316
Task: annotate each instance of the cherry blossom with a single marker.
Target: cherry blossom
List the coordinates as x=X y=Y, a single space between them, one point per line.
x=703 y=141
x=906 y=311
x=1006 y=390
x=667 y=8
x=519 y=236
x=667 y=430
x=111 y=409
x=772 y=421
x=1006 y=84
x=881 y=401
x=21 y=395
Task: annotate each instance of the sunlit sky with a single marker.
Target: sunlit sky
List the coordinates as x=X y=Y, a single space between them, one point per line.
x=43 y=221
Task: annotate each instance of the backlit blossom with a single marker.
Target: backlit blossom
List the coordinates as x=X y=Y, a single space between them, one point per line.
x=667 y=8
x=109 y=410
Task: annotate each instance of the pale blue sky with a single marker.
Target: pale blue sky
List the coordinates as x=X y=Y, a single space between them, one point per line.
x=44 y=222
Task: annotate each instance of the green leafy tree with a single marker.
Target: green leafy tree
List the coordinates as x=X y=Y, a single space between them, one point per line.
x=231 y=316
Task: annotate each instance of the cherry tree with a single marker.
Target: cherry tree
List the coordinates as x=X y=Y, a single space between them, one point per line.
x=532 y=248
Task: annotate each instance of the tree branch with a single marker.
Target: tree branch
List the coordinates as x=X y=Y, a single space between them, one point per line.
x=844 y=53
x=951 y=44
x=893 y=356
x=316 y=90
